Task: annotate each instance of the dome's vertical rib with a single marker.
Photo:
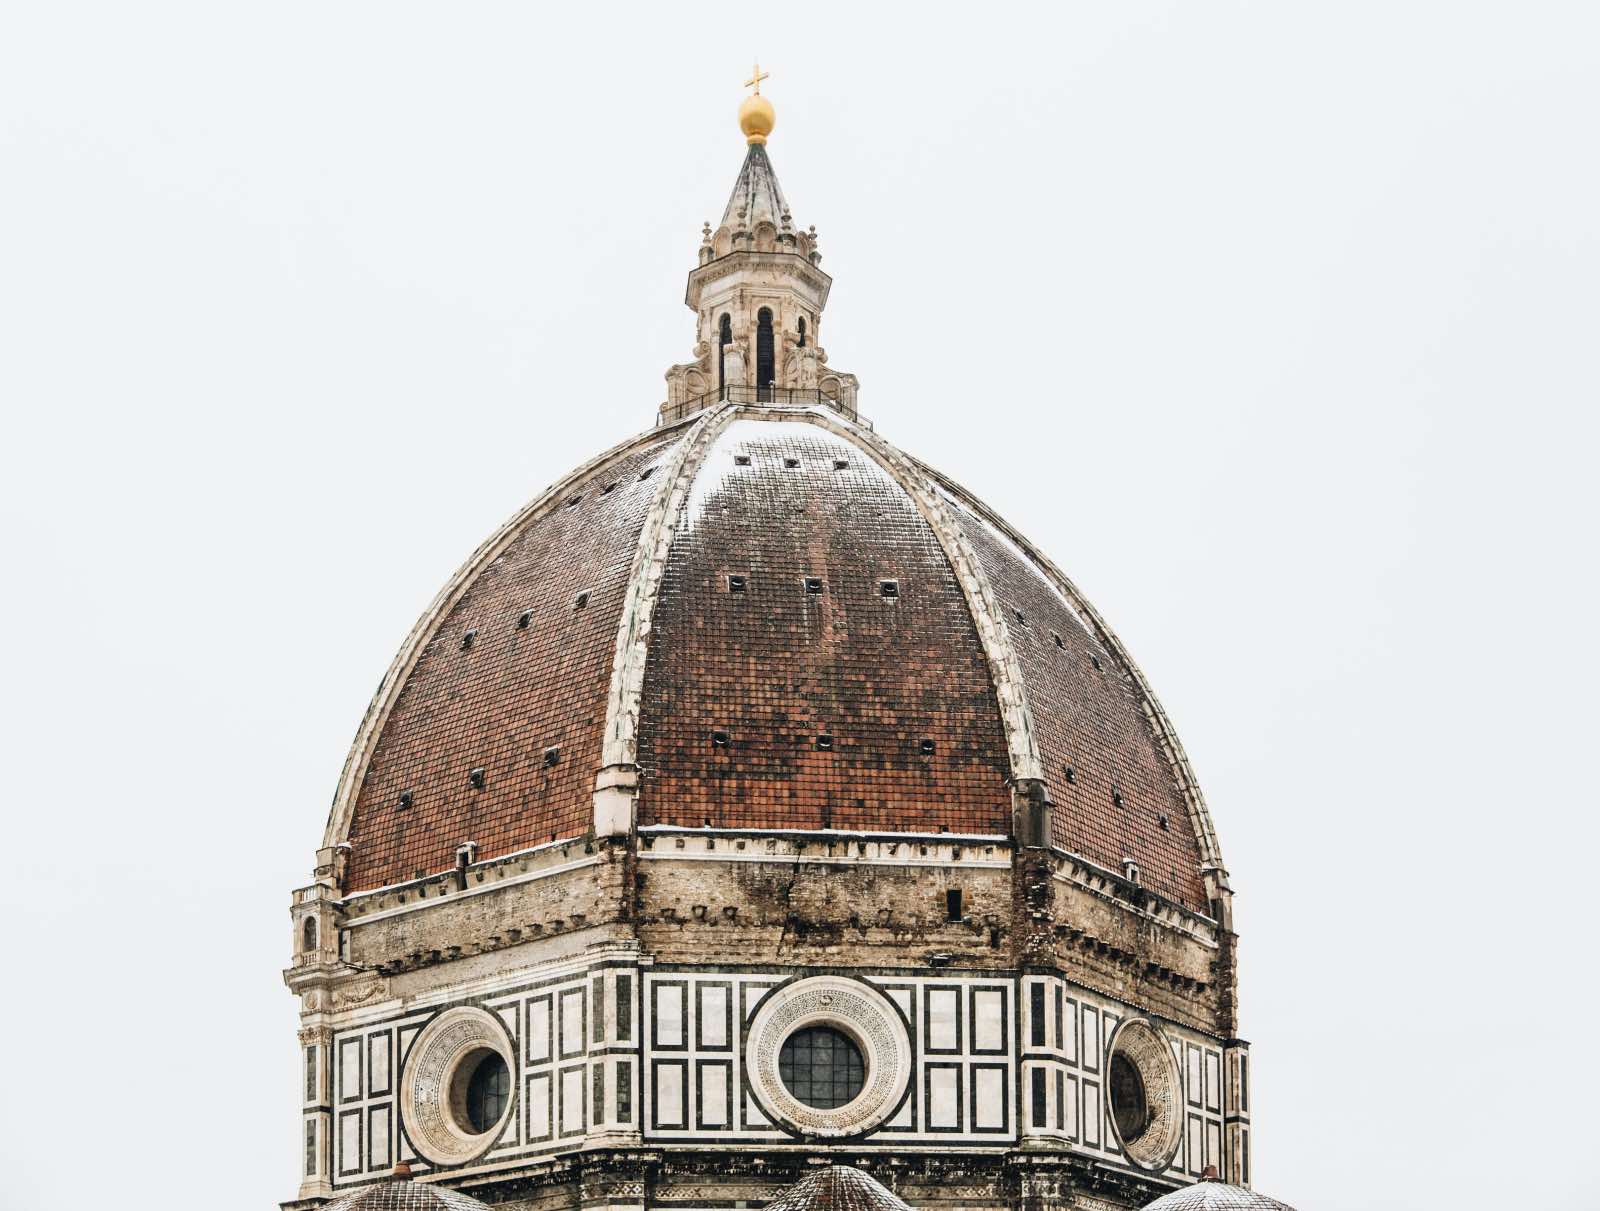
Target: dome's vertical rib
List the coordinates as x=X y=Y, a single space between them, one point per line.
x=499 y=701
x=650 y=558
x=778 y=706
x=1176 y=860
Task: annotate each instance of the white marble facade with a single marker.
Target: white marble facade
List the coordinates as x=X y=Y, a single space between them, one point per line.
x=615 y=1052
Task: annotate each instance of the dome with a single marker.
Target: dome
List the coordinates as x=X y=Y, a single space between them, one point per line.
x=1216 y=1196
x=782 y=622
x=401 y=1194
x=838 y=1188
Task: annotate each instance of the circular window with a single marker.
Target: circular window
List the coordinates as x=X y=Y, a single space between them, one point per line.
x=822 y=1067
x=1142 y=1084
x=1128 y=1104
x=456 y=1090
x=488 y=1091
x=828 y=1057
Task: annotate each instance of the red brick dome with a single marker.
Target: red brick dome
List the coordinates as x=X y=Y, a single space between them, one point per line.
x=782 y=622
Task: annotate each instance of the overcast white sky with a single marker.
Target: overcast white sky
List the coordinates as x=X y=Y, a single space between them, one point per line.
x=1274 y=324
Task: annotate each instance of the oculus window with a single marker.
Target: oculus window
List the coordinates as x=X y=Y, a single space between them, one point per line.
x=822 y=1067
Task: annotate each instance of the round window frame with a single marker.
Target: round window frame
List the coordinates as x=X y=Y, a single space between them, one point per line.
x=433 y=1084
x=862 y=1014
x=1141 y=1043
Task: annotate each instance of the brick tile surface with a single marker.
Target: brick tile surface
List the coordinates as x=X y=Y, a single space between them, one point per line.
x=775 y=667
x=1090 y=720
x=515 y=692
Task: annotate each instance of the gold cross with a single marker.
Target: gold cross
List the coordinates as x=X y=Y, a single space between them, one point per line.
x=756 y=76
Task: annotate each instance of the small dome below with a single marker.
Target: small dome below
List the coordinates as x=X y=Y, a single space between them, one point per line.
x=838 y=1188
x=400 y=1193
x=1216 y=1196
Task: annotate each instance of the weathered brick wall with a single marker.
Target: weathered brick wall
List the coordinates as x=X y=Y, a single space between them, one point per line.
x=838 y=914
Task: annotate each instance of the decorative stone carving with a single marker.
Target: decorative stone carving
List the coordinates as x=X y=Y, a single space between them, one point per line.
x=862 y=1013
x=1141 y=1043
x=433 y=1084
x=360 y=993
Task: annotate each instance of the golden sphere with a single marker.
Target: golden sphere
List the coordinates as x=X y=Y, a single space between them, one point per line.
x=756 y=118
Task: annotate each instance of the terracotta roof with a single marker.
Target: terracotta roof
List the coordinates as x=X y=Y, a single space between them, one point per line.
x=931 y=660
x=1088 y=719
x=837 y=1188
x=400 y=1194
x=1216 y=1196
x=780 y=669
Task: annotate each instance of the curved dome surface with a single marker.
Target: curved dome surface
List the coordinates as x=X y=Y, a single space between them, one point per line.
x=1216 y=1196
x=401 y=1194
x=785 y=623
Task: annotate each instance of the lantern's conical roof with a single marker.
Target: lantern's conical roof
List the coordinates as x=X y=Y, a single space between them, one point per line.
x=757 y=197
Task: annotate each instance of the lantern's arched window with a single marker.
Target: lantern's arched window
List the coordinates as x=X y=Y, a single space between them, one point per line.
x=802 y=332
x=308 y=936
x=766 y=370
x=724 y=339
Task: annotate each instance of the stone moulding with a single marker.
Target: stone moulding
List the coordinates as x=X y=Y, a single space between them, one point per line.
x=377 y=714
x=859 y=1011
x=433 y=1069
x=1166 y=735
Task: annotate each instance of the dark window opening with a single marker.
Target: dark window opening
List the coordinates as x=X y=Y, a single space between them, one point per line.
x=609 y=488
x=1072 y=775
x=1056 y=636
x=523 y=619
x=574 y=502
x=308 y=935
x=646 y=474
x=1021 y=619
x=1038 y=1099
x=1095 y=660
x=741 y=460
x=466 y=640
x=952 y=904
x=1164 y=823
x=889 y=588
x=405 y=800
x=724 y=339
x=581 y=600
x=822 y=1067
x=802 y=326
x=476 y=777
x=487 y=1093
x=766 y=370
x=719 y=739
x=736 y=584
x=927 y=747
x=791 y=463
x=825 y=742
x=813 y=584
x=839 y=464
x=1129 y=1106
x=1116 y=798
x=552 y=755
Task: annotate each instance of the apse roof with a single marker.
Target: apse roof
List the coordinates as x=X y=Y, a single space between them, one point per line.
x=838 y=1188
x=1216 y=1196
